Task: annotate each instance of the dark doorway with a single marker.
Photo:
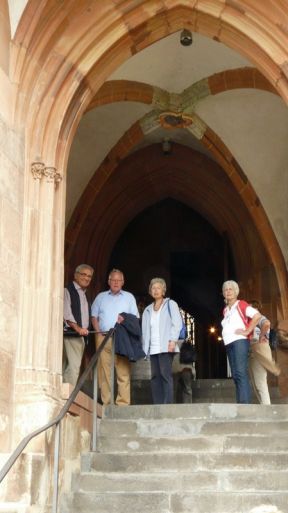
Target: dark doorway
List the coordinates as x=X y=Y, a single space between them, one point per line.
x=196 y=281
x=173 y=241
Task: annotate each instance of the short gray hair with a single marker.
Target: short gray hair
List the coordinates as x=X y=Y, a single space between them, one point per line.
x=80 y=268
x=231 y=283
x=158 y=280
x=116 y=271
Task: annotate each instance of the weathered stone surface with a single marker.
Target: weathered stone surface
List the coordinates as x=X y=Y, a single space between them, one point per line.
x=217 y=471
x=117 y=503
x=237 y=412
x=188 y=480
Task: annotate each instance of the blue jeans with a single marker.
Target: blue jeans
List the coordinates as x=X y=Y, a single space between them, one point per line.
x=237 y=353
x=162 y=378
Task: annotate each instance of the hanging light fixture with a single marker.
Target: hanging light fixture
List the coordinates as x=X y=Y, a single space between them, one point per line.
x=186 y=37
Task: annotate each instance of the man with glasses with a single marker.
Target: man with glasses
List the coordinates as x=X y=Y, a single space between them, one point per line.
x=105 y=313
x=77 y=317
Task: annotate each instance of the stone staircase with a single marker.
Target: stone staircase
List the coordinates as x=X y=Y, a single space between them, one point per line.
x=198 y=458
x=223 y=391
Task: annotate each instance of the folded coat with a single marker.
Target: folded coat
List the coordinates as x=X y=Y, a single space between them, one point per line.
x=128 y=338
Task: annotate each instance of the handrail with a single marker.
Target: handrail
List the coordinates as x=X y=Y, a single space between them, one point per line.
x=21 y=446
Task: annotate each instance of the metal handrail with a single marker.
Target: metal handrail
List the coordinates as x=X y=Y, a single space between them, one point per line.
x=56 y=422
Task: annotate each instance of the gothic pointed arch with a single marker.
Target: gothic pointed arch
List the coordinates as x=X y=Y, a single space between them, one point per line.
x=62 y=59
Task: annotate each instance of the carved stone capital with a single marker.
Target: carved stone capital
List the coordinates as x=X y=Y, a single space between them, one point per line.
x=58 y=178
x=37 y=170
x=50 y=173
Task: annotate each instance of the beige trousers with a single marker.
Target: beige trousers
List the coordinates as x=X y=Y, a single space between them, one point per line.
x=260 y=362
x=123 y=371
x=72 y=356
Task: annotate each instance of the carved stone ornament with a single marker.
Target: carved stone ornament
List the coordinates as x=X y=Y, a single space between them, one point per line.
x=37 y=170
x=174 y=120
x=50 y=173
x=57 y=178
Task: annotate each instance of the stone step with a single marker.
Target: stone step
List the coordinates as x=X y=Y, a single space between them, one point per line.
x=178 y=462
x=212 y=444
x=160 y=502
x=189 y=428
x=235 y=412
x=222 y=481
x=199 y=458
x=203 y=390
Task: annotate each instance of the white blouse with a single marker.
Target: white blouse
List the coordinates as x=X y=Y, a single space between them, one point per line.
x=155 y=347
x=233 y=321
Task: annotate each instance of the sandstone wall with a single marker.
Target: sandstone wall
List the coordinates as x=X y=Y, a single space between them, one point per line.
x=11 y=208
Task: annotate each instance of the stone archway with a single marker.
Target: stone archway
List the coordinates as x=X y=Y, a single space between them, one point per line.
x=123 y=91
x=59 y=62
x=61 y=55
x=155 y=179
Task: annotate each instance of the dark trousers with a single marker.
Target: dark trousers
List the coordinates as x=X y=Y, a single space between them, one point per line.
x=238 y=353
x=183 y=386
x=162 y=378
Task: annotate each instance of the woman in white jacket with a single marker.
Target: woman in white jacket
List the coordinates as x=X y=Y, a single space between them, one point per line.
x=161 y=325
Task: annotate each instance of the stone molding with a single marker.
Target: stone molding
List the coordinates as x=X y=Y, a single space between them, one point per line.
x=40 y=170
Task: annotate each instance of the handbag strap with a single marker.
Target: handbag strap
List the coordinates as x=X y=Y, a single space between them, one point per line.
x=169 y=308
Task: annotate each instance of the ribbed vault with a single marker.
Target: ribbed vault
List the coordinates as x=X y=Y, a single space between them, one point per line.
x=146 y=177
x=62 y=59
x=126 y=90
x=76 y=45
x=113 y=91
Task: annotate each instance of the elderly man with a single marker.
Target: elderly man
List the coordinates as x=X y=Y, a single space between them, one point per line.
x=105 y=313
x=76 y=322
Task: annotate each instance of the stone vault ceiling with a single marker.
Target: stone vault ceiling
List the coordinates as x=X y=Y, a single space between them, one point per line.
x=252 y=123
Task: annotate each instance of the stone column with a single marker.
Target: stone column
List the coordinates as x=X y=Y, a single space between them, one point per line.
x=39 y=351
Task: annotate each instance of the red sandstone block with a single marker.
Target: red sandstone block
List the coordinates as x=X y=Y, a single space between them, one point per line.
x=217 y=83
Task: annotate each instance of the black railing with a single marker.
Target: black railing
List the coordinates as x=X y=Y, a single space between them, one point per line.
x=57 y=420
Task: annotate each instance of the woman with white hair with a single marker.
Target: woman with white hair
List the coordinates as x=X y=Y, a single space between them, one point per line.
x=161 y=325
x=238 y=323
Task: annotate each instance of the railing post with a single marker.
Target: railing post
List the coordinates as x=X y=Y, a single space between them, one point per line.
x=56 y=468
x=112 y=368
x=95 y=400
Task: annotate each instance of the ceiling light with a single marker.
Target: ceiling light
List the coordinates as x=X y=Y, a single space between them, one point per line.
x=186 y=38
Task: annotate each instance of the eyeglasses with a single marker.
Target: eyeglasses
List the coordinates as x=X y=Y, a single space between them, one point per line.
x=116 y=281
x=86 y=275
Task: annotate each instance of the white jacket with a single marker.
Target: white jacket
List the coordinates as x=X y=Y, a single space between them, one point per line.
x=170 y=325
